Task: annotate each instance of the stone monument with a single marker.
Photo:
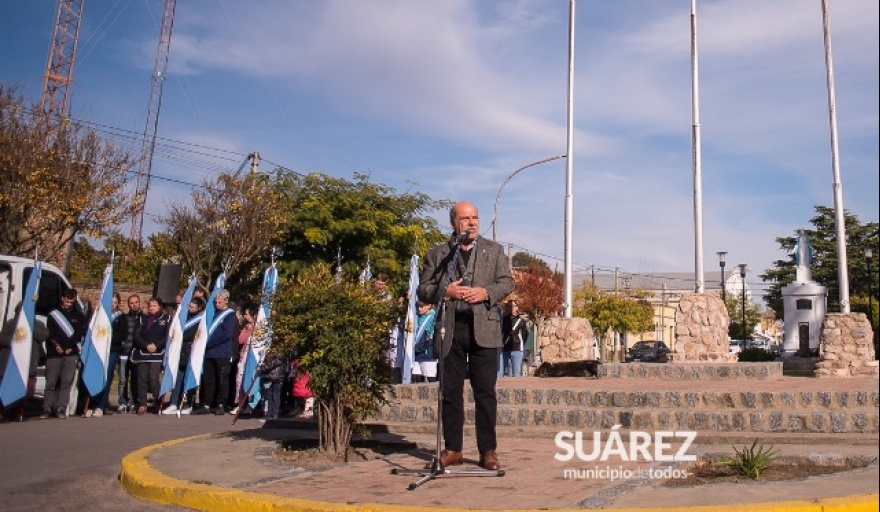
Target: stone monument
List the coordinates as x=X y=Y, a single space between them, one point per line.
x=701 y=324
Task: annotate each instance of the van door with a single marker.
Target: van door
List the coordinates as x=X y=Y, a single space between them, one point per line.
x=5 y=292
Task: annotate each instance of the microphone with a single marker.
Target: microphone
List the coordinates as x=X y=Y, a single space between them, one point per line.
x=459 y=238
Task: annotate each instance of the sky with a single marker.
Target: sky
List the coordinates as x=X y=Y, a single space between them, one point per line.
x=454 y=98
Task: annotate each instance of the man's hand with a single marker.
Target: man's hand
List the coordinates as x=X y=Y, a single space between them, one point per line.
x=469 y=294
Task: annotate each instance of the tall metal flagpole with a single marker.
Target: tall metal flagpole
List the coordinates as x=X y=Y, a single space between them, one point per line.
x=569 y=202
x=699 y=286
x=842 y=273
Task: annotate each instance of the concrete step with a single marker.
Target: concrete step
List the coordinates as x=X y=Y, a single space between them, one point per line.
x=692 y=371
x=801 y=405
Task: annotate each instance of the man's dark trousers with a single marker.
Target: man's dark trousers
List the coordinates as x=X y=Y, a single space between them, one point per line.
x=482 y=365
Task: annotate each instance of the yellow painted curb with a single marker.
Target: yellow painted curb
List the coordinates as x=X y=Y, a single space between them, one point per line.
x=142 y=480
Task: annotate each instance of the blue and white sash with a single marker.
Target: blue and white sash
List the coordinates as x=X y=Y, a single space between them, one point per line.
x=62 y=322
x=192 y=322
x=218 y=319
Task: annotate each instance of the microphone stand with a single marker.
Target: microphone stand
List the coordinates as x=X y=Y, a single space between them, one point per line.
x=436 y=468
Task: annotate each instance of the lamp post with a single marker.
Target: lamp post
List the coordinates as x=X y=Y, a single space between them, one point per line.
x=742 y=274
x=514 y=173
x=721 y=255
x=868 y=255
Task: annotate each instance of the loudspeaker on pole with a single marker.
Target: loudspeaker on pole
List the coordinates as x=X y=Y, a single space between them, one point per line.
x=168 y=282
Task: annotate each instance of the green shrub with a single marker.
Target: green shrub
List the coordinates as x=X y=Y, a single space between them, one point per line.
x=341 y=331
x=751 y=461
x=755 y=355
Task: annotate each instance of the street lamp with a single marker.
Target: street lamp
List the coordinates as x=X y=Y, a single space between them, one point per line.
x=721 y=255
x=868 y=255
x=742 y=274
x=514 y=173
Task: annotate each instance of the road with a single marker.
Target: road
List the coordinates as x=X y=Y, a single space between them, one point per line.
x=73 y=464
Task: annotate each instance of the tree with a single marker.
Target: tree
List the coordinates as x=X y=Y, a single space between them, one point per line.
x=59 y=180
x=523 y=260
x=614 y=312
x=825 y=262
x=131 y=267
x=358 y=219
x=735 y=328
x=539 y=291
x=341 y=331
x=231 y=222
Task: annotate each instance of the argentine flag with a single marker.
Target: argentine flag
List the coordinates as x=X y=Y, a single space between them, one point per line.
x=366 y=273
x=197 y=353
x=261 y=338
x=15 y=378
x=412 y=313
x=270 y=283
x=96 y=347
x=258 y=344
x=171 y=361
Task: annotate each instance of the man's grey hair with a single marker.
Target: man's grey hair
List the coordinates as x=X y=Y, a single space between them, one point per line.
x=222 y=293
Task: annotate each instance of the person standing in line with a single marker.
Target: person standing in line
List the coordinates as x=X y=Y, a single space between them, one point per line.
x=119 y=326
x=149 y=349
x=218 y=356
x=273 y=370
x=195 y=311
x=515 y=332
x=380 y=284
x=426 y=363
x=67 y=328
x=302 y=390
x=246 y=328
x=472 y=326
x=127 y=385
x=397 y=340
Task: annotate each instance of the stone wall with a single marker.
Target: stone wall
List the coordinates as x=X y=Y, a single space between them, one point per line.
x=565 y=339
x=846 y=348
x=701 y=323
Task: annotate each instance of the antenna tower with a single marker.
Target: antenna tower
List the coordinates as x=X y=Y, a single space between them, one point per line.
x=149 y=142
x=55 y=98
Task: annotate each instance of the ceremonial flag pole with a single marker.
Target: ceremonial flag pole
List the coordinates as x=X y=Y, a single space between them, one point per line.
x=171 y=359
x=366 y=274
x=259 y=342
x=197 y=355
x=15 y=377
x=411 y=316
x=96 y=347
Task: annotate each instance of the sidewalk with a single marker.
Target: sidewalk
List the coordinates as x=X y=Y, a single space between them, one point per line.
x=237 y=471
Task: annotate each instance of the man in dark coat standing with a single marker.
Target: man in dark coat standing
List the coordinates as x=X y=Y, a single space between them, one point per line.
x=218 y=356
x=471 y=322
x=67 y=328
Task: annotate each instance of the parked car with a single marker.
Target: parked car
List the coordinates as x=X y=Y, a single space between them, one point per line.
x=736 y=346
x=648 y=351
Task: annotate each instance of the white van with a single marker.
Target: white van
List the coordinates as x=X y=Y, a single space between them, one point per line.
x=14 y=274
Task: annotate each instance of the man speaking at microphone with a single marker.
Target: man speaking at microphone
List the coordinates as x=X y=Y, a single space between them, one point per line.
x=470 y=336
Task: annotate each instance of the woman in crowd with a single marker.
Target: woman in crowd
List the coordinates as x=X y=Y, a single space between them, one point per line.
x=149 y=348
